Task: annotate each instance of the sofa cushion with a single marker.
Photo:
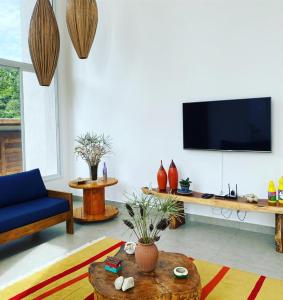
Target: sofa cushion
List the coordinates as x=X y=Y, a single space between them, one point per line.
x=21 y=187
x=28 y=212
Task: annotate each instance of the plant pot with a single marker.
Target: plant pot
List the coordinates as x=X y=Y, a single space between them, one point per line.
x=146 y=256
x=93 y=172
x=185 y=188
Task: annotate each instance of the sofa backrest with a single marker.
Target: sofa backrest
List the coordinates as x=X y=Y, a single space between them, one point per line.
x=21 y=187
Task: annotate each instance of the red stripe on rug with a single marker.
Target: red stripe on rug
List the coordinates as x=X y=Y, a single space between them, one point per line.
x=46 y=282
x=68 y=283
x=90 y=297
x=61 y=287
x=213 y=283
x=256 y=288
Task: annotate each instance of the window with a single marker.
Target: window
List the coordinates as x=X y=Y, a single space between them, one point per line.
x=14 y=26
x=10 y=124
x=28 y=112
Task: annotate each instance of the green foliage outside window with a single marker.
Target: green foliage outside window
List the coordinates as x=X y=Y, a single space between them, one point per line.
x=10 y=93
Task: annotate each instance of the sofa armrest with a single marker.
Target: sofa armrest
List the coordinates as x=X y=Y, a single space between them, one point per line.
x=62 y=195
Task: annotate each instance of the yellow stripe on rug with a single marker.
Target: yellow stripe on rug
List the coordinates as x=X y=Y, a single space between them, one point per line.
x=271 y=286
x=67 y=279
x=235 y=285
x=58 y=276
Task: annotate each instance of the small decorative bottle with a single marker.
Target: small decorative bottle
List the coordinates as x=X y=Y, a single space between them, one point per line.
x=271 y=193
x=104 y=171
x=280 y=191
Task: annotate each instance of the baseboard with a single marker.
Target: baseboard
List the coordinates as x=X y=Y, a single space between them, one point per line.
x=210 y=220
x=232 y=224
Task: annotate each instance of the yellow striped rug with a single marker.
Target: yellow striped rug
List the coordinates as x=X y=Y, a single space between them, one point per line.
x=68 y=279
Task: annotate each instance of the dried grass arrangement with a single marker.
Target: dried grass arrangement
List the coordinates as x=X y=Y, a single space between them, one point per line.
x=150 y=215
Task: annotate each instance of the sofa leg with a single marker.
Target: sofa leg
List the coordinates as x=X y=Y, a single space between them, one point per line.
x=70 y=226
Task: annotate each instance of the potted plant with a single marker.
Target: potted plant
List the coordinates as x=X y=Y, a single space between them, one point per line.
x=185 y=185
x=91 y=148
x=149 y=215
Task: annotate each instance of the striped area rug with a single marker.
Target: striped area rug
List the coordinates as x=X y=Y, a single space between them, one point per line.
x=68 y=279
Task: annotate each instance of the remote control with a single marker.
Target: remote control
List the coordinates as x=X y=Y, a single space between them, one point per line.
x=207 y=196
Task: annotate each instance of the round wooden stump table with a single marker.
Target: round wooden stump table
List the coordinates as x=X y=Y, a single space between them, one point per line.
x=160 y=284
x=94 y=208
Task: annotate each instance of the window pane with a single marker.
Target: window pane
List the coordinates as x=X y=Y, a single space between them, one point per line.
x=40 y=125
x=10 y=122
x=14 y=26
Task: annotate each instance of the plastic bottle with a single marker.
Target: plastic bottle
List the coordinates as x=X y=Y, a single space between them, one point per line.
x=271 y=193
x=280 y=191
x=104 y=171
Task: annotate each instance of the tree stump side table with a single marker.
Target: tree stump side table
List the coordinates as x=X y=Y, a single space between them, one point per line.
x=94 y=208
x=160 y=284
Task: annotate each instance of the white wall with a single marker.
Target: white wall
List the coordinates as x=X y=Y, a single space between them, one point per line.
x=149 y=57
x=40 y=142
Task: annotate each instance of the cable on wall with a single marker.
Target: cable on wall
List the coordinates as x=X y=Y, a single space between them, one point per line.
x=229 y=215
x=222 y=173
x=238 y=216
x=222 y=210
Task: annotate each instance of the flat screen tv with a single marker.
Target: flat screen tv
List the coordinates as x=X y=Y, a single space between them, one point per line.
x=227 y=125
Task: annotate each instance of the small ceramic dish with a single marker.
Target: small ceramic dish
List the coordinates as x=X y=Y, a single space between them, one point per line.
x=130 y=247
x=182 y=192
x=181 y=272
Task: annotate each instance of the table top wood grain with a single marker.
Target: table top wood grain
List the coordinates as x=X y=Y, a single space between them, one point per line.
x=93 y=184
x=160 y=284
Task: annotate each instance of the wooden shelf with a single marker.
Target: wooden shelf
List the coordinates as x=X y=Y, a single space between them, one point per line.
x=239 y=204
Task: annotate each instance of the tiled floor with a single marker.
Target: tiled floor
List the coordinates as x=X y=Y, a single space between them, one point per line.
x=245 y=250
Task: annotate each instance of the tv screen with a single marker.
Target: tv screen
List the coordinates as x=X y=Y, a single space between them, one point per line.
x=240 y=125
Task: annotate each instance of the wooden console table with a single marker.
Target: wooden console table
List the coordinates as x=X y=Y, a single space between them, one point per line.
x=94 y=208
x=240 y=204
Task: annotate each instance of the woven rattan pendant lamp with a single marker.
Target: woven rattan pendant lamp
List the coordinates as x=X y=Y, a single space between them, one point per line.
x=44 y=41
x=82 y=18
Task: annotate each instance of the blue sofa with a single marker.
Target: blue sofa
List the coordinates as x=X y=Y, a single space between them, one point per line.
x=26 y=206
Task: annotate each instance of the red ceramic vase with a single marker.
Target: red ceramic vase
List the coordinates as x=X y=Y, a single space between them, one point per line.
x=173 y=177
x=162 y=178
